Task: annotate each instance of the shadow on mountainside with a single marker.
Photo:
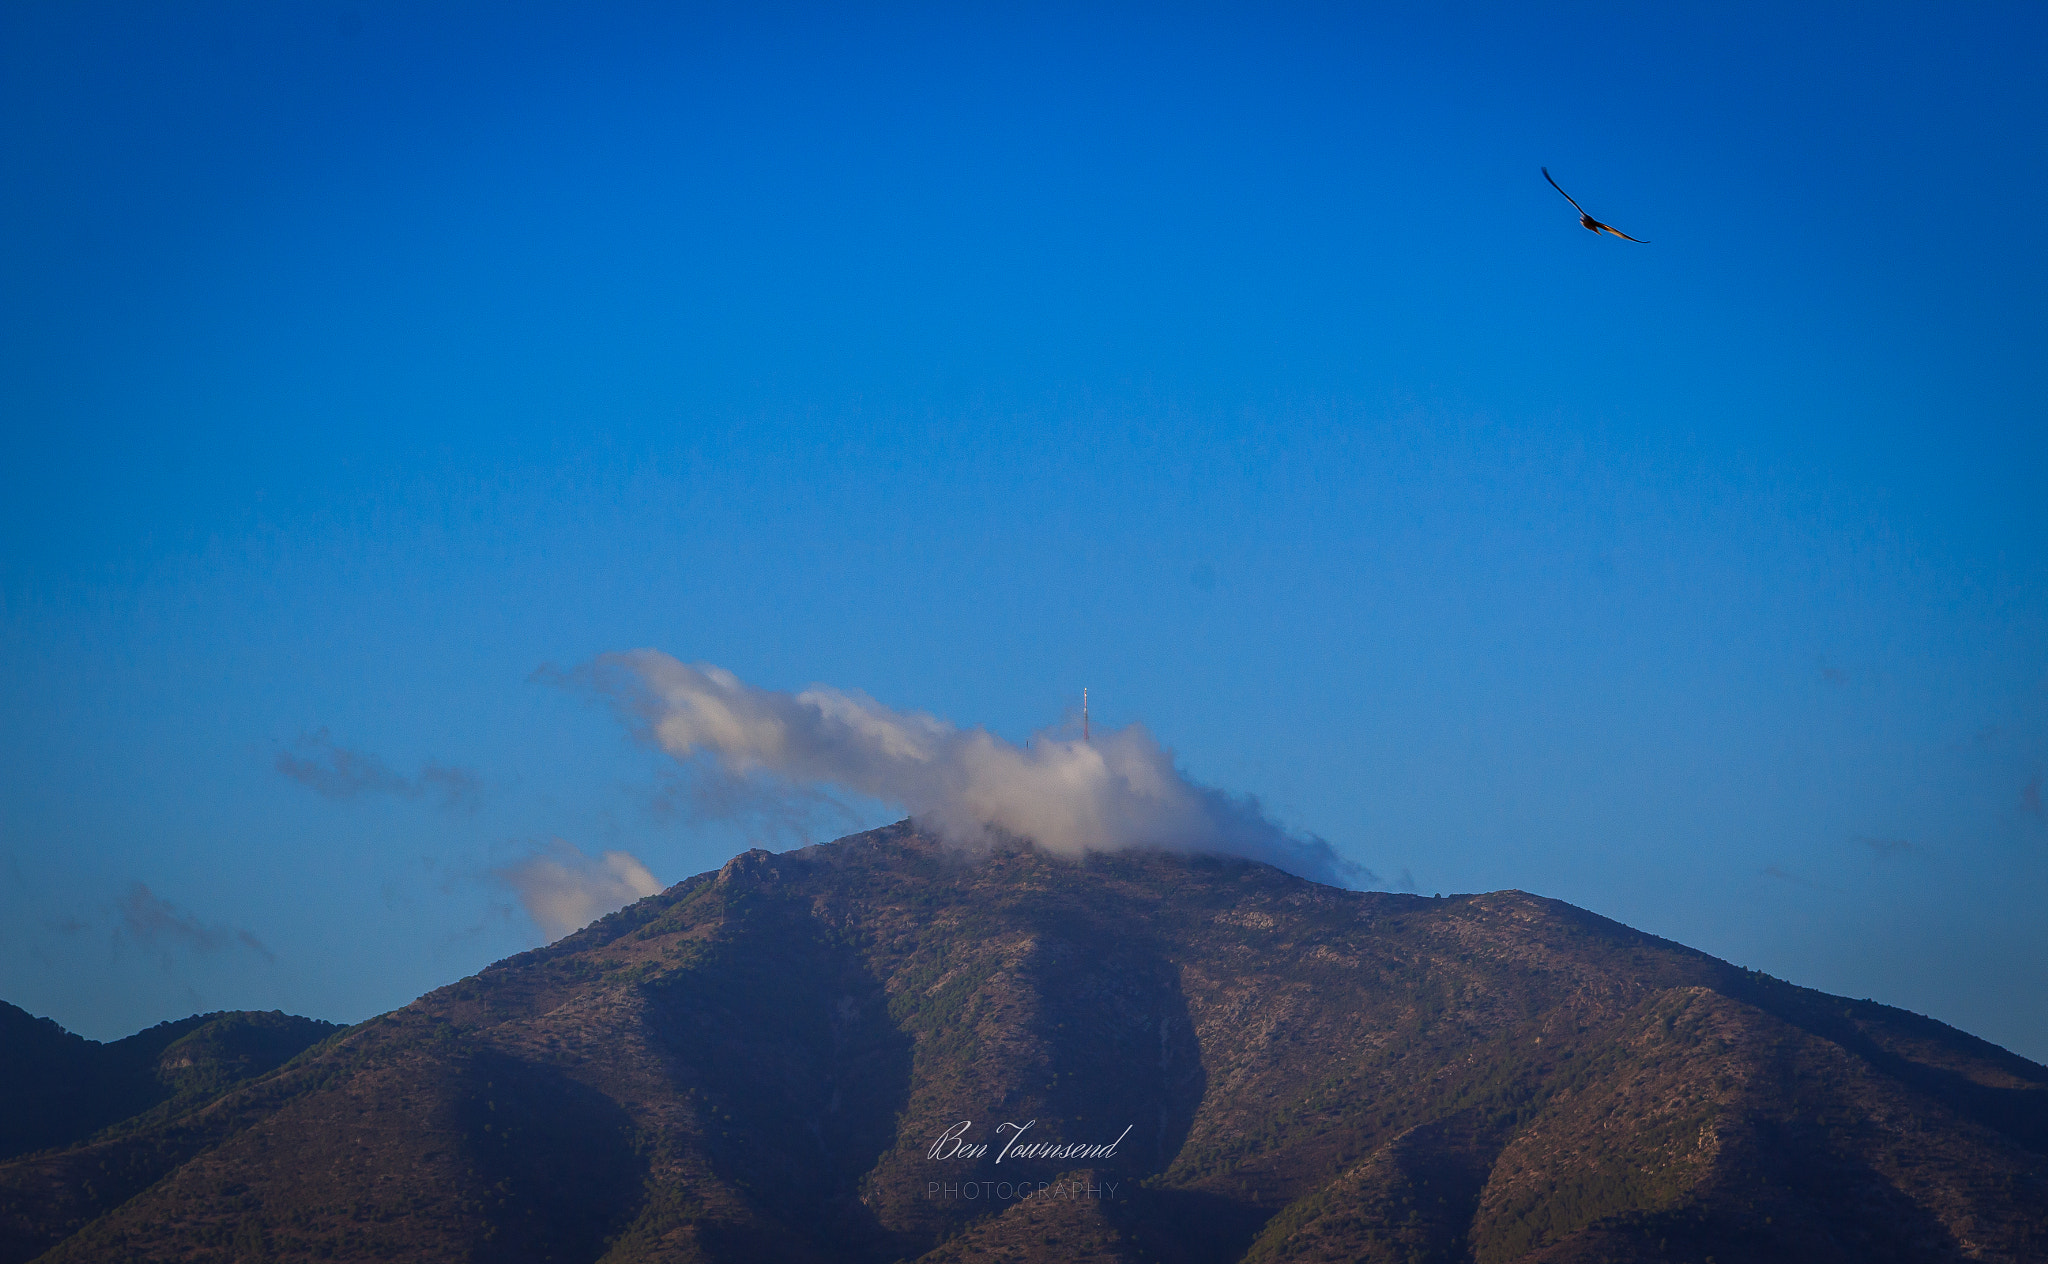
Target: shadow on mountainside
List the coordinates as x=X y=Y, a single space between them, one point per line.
x=555 y=1160
x=778 y=1037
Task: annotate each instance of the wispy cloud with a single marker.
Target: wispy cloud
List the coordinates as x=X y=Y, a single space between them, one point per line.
x=1779 y=874
x=769 y=811
x=1067 y=795
x=337 y=772
x=564 y=890
x=154 y=922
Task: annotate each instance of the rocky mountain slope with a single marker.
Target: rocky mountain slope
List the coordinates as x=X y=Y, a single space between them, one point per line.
x=794 y=1058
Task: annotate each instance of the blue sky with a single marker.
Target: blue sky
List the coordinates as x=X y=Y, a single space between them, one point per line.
x=361 y=361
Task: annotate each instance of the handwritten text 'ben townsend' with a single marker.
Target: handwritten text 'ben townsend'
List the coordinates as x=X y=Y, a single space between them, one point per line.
x=952 y=1144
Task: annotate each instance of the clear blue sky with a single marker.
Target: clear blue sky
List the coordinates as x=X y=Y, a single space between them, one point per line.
x=1236 y=364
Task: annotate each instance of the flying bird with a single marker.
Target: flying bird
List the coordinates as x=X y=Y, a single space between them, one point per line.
x=1591 y=225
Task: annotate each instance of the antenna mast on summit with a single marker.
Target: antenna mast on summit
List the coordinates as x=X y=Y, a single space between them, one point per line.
x=1084 y=713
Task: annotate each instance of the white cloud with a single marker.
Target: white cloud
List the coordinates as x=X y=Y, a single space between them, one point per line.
x=564 y=890
x=1066 y=795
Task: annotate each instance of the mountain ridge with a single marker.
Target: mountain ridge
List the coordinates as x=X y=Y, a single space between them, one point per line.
x=59 y=1088
x=755 y=1064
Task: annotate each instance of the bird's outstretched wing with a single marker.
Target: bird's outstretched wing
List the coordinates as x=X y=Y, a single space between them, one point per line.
x=1567 y=197
x=1588 y=220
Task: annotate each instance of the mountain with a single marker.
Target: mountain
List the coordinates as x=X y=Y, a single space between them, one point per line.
x=794 y=1058
x=57 y=1088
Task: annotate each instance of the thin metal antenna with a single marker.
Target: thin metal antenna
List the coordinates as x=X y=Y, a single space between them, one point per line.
x=1084 y=713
